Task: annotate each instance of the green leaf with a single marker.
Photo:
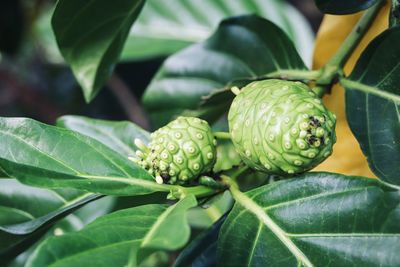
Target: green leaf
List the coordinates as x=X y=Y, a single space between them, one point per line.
x=24 y=209
x=205 y=215
x=317 y=219
x=91 y=36
x=373 y=104
x=26 y=212
x=164 y=27
x=163 y=233
x=342 y=7
x=118 y=136
x=95 y=209
x=116 y=239
x=242 y=47
x=73 y=222
x=48 y=156
x=202 y=251
x=68 y=224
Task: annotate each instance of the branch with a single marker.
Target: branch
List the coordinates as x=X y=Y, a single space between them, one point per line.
x=128 y=101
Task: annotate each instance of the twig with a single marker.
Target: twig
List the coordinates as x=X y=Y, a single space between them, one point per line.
x=128 y=101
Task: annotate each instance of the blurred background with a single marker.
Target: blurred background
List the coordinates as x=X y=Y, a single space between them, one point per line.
x=35 y=82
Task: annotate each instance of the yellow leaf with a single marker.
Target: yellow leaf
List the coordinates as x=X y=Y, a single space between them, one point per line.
x=347 y=157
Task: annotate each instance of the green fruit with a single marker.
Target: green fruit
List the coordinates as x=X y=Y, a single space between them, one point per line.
x=281 y=127
x=179 y=152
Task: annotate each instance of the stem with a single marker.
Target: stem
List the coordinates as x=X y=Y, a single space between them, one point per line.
x=198 y=191
x=128 y=101
x=295 y=74
x=239 y=171
x=353 y=85
x=222 y=135
x=258 y=211
x=319 y=90
x=335 y=65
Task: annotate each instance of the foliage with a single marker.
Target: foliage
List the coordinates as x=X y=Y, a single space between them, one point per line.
x=199 y=69
x=78 y=37
x=158 y=31
x=378 y=70
x=71 y=196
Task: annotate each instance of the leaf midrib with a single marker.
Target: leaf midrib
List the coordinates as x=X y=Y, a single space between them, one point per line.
x=40 y=151
x=268 y=208
x=156 y=224
x=77 y=173
x=333 y=235
x=253 y=207
x=290 y=235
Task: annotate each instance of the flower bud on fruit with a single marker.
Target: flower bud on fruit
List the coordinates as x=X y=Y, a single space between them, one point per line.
x=281 y=127
x=179 y=152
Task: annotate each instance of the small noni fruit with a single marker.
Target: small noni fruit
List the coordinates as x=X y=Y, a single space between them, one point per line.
x=179 y=152
x=281 y=127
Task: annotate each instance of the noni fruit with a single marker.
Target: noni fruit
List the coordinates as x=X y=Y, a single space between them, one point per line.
x=179 y=152
x=281 y=127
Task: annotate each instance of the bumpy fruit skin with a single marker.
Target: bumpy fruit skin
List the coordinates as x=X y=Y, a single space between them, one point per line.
x=281 y=127
x=180 y=151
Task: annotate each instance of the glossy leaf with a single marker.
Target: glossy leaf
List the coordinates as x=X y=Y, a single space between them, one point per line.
x=68 y=224
x=118 y=136
x=347 y=157
x=71 y=223
x=206 y=214
x=342 y=7
x=27 y=212
x=91 y=36
x=374 y=119
x=24 y=209
x=242 y=47
x=95 y=209
x=116 y=239
x=164 y=27
x=48 y=156
x=323 y=219
x=202 y=251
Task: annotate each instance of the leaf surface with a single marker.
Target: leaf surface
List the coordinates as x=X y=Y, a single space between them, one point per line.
x=53 y=157
x=116 y=239
x=202 y=251
x=375 y=119
x=91 y=36
x=243 y=47
x=319 y=219
x=72 y=222
x=118 y=136
x=159 y=31
x=27 y=212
